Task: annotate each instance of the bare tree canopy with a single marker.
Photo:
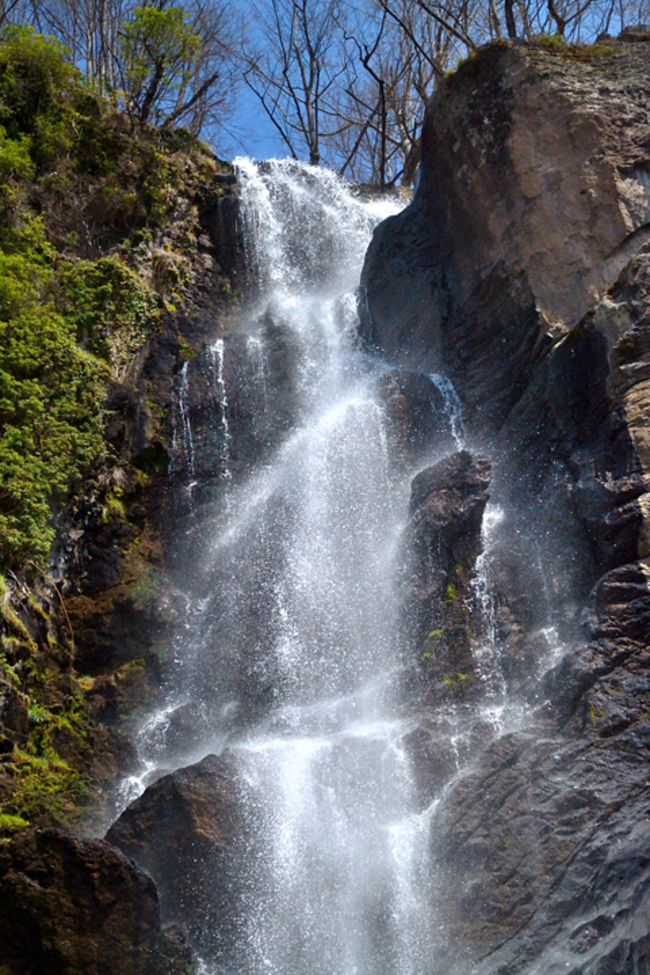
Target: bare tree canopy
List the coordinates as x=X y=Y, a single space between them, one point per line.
x=338 y=81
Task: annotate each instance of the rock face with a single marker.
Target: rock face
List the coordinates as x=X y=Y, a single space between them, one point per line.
x=522 y=271
x=538 y=197
x=186 y=831
x=80 y=907
x=235 y=403
x=417 y=417
x=443 y=542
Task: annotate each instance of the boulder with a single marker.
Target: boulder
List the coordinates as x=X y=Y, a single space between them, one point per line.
x=187 y=830
x=80 y=907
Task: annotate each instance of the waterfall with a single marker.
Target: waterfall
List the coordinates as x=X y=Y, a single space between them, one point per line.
x=293 y=655
x=334 y=888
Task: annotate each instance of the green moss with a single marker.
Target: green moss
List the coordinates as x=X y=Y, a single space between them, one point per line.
x=451 y=593
x=6 y=668
x=113 y=508
x=449 y=683
x=15 y=623
x=186 y=350
x=113 y=310
x=596 y=715
x=11 y=824
x=47 y=788
x=453 y=684
x=556 y=44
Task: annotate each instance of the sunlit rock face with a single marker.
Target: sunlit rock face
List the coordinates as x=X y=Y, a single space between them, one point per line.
x=522 y=271
x=534 y=194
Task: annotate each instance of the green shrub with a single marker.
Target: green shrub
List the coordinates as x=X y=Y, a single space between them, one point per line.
x=110 y=307
x=51 y=417
x=36 y=89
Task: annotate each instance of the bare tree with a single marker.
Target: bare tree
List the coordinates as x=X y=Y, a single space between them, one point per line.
x=89 y=30
x=175 y=63
x=294 y=69
x=392 y=62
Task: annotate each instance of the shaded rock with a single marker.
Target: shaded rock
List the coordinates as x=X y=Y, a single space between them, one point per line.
x=548 y=838
x=14 y=722
x=80 y=907
x=417 y=416
x=187 y=830
x=433 y=760
x=443 y=540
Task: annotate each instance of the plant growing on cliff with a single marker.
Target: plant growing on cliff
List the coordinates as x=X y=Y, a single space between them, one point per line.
x=51 y=396
x=37 y=90
x=110 y=306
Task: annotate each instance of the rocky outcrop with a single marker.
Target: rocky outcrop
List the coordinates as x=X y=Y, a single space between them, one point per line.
x=522 y=271
x=187 y=830
x=80 y=907
x=443 y=540
x=534 y=194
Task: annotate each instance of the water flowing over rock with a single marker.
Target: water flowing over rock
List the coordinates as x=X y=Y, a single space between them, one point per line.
x=294 y=451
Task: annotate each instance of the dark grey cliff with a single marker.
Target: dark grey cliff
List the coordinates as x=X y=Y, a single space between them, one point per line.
x=522 y=270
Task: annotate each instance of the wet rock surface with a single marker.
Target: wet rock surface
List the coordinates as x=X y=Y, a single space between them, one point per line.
x=417 y=417
x=80 y=907
x=187 y=831
x=234 y=406
x=443 y=540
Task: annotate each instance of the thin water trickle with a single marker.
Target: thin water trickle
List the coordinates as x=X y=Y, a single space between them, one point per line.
x=453 y=407
x=217 y=352
x=186 y=426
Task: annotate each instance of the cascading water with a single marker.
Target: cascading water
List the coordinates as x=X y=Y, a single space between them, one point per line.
x=332 y=892
x=293 y=653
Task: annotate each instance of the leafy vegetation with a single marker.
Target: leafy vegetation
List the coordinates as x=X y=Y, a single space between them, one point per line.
x=86 y=270
x=74 y=305
x=51 y=418
x=160 y=52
